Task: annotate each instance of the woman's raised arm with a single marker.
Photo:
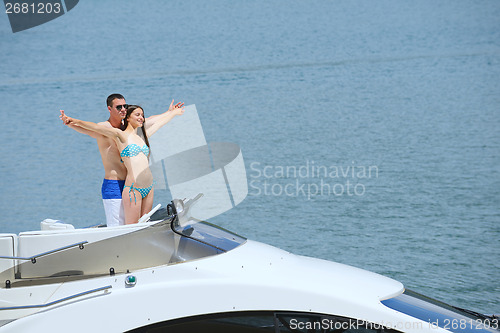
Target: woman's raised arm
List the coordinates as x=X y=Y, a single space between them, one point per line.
x=109 y=132
x=162 y=119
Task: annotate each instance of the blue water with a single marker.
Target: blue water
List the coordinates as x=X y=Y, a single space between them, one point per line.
x=369 y=129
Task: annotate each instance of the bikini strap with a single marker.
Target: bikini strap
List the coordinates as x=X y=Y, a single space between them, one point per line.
x=131 y=188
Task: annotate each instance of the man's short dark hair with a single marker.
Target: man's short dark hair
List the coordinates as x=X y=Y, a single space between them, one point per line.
x=112 y=97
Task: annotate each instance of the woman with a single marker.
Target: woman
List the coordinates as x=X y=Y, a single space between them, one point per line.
x=138 y=191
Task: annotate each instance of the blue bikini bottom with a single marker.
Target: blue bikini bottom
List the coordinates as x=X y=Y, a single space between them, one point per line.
x=144 y=191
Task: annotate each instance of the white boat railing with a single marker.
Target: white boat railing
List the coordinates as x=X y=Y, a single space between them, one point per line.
x=34 y=257
x=22 y=307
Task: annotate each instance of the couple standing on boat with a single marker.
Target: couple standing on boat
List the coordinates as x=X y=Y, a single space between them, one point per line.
x=125 y=156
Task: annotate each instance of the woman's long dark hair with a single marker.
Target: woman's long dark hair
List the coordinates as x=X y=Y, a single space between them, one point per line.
x=130 y=109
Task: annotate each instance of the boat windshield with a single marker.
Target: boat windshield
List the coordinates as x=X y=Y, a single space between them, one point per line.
x=163 y=242
x=186 y=225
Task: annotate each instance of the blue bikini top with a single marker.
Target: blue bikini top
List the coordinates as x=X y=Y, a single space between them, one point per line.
x=134 y=150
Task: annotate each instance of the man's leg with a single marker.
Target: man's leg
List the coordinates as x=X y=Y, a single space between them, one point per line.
x=112 y=209
x=112 y=201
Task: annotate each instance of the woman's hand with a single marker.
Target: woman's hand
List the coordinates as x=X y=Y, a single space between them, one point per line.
x=65 y=119
x=176 y=109
x=172 y=106
x=156 y=122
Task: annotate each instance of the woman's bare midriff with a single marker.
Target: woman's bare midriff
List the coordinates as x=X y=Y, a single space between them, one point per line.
x=139 y=173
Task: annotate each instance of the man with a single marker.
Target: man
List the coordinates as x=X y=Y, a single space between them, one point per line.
x=114 y=170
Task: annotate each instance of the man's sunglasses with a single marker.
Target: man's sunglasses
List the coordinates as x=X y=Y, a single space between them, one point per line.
x=119 y=107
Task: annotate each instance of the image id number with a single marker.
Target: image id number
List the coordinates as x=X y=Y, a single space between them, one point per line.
x=32 y=8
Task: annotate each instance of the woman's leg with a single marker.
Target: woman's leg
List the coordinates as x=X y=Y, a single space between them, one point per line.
x=132 y=205
x=147 y=202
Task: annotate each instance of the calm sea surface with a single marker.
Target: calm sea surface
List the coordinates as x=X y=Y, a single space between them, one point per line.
x=370 y=130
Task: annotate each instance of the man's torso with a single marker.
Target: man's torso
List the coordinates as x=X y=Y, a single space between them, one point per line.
x=113 y=167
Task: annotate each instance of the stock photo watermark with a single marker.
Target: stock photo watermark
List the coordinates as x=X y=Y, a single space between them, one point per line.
x=450 y=324
x=26 y=14
x=310 y=179
x=355 y=325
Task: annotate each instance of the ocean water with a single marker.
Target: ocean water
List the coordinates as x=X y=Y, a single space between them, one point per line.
x=369 y=129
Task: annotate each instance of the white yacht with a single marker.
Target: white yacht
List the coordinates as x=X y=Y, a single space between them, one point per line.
x=175 y=273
